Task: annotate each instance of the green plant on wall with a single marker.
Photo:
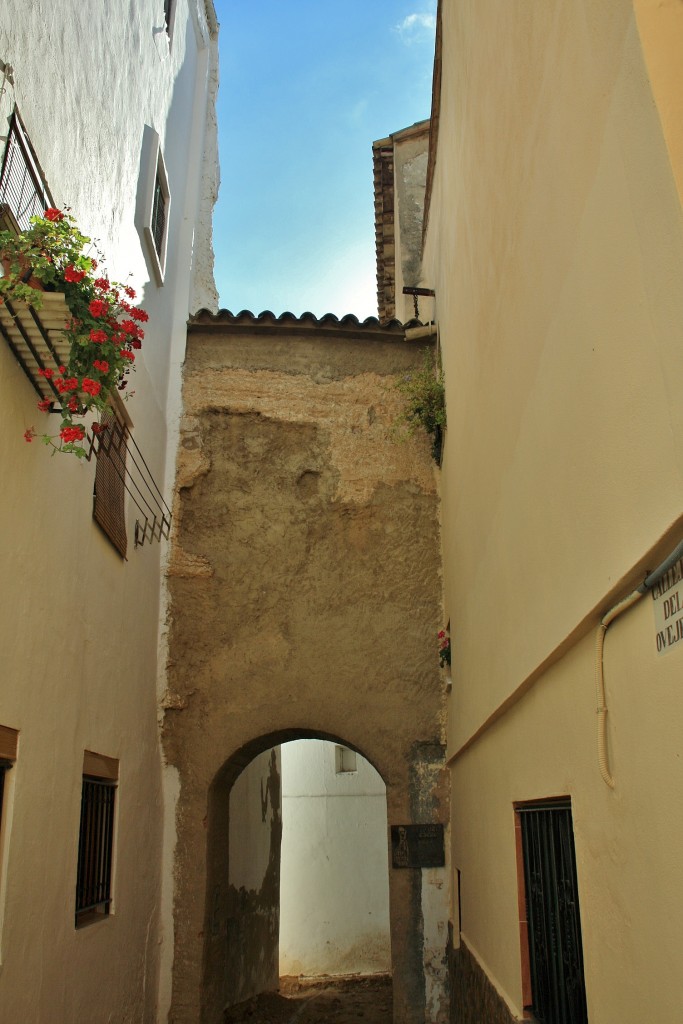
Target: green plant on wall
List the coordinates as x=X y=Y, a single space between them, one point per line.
x=424 y=403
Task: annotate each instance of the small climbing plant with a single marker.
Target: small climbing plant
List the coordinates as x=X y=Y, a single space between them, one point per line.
x=424 y=399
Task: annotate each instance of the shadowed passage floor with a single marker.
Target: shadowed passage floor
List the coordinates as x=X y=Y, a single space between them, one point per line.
x=327 y=1000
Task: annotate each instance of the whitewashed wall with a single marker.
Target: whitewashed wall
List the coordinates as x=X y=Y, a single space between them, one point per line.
x=78 y=626
x=334 y=884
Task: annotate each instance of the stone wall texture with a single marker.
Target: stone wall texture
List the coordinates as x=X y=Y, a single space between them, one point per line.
x=474 y=1000
x=305 y=600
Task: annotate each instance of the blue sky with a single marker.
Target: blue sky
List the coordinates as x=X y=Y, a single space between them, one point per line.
x=306 y=86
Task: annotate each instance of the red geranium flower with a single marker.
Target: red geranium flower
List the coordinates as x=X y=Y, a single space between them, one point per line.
x=91 y=387
x=98 y=336
x=29 y=434
x=128 y=355
x=72 y=274
x=97 y=307
x=44 y=406
x=52 y=214
x=102 y=284
x=70 y=434
x=46 y=372
x=139 y=314
x=73 y=404
x=102 y=365
x=130 y=292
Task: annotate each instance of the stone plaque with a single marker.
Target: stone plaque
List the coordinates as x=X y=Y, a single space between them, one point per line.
x=417 y=846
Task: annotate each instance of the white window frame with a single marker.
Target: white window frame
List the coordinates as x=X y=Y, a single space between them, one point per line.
x=153 y=167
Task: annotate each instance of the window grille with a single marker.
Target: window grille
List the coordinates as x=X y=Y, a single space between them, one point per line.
x=95 y=846
x=4 y=765
x=553 y=920
x=159 y=217
x=22 y=188
x=109 y=505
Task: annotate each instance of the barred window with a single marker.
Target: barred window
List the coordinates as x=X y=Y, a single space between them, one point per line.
x=159 y=216
x=23 y=190
x=153 y=207
x=109 y=504
x=96 y=837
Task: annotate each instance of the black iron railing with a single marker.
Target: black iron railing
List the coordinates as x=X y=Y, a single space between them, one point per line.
x=95 y=847
x=553 y=919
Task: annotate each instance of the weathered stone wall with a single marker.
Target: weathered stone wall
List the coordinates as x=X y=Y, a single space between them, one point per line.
x=305 y=600
x=473 y=997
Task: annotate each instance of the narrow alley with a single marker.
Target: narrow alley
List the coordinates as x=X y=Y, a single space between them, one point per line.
x=326 y=1000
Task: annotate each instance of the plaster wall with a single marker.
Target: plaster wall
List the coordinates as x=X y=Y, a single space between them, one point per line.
x=306 y=544
x=255 y=833
x=410 y=173
x=558 y=306
x=555 y=232
x=334 y=895
x=79 y=626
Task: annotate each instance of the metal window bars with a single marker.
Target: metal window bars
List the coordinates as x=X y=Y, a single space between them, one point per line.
x=95 y=846
x=37 y=342
x=552 y=900
x=22 y=186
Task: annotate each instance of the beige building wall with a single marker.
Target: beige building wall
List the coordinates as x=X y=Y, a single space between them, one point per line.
x=555 y=244
x=79 y=625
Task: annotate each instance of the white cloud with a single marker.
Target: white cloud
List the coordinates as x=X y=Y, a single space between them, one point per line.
x=416 y=24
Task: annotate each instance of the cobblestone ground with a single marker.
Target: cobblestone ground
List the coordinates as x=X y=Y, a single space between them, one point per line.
x=327 y=1000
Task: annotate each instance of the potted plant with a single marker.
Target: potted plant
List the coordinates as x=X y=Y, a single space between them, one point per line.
x=101 y=334
x=425 y=403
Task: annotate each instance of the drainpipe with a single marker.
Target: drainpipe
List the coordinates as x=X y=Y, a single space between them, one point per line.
x=414 y=333
x=608 y=618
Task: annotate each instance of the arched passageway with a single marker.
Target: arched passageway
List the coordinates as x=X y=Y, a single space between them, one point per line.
x=304 y=603
x=244 y=897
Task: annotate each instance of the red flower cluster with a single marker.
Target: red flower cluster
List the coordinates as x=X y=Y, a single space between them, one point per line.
x=102 y=365
x=44 y=406
x=74 y=275
x=98 y=307
x=71 y=434
x=52 y=214
x=99 y=337
x=91 y=387
x=66 y=384
x=29 y=434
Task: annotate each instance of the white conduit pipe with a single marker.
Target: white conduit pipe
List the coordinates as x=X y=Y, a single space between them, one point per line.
x=611 y=615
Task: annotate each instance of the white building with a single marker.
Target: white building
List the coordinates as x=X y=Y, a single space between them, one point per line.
x=101 y=106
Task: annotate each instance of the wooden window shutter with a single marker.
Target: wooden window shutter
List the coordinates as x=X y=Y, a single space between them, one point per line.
x=109 y=508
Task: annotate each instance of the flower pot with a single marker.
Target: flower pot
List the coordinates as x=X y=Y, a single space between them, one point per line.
x=25 y=273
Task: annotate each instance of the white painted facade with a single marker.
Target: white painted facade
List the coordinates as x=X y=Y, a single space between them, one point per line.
x=334 y=885
x=78 y=624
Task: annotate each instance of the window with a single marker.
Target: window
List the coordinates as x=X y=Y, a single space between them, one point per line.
x=8 y=755
x=169 y=12
x=552 y=955
x=109 y=504
x=154 y=204
x=96 y=837
x=23 y=192
x=344 y=760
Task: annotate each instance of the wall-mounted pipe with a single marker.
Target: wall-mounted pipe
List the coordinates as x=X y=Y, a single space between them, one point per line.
x=414 y=333
x=622 y=606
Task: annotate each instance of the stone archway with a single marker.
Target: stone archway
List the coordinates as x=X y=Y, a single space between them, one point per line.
x=304 y=601
x=240 y=928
